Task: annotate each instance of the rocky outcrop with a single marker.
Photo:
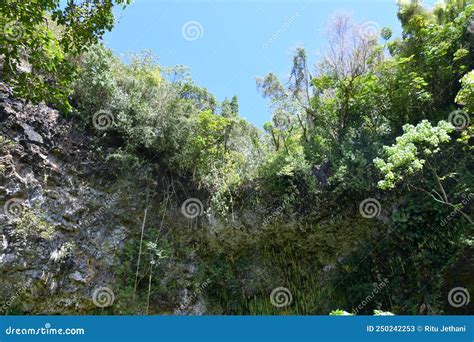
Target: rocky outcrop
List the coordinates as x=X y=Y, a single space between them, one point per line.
x=45 y=261
x=65 y=215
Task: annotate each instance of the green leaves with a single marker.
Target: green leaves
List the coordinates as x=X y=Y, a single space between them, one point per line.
x=408 y=155
x=41 y=40
x=465 y=96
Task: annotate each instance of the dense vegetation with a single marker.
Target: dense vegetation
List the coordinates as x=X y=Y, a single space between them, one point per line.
x=377 y=118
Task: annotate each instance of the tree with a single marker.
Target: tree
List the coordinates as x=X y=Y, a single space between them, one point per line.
x=226 y=110
x=465 y=96
x=413 y=151
x=352 y=53
x=234 y=106
x=41 y=40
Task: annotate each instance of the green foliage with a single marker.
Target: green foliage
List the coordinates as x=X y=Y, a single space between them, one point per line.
x=285 y=199
x=207 y=144
x=31 y=225
x=412 y=253
x=341 y=138
x=386 y=33
x=465 y=96
x=217 y=151
x=411 y=150
x=367 y=111
x=436 y=43
x=42 y=38
x=139 y=98
x=340 y=312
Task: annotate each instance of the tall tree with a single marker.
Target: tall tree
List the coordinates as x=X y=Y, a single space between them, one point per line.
x=41 y=38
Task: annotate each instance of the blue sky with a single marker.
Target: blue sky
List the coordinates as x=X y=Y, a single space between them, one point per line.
x=227 y=44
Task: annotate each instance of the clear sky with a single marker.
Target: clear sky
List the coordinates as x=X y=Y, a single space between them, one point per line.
x=227 y=44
